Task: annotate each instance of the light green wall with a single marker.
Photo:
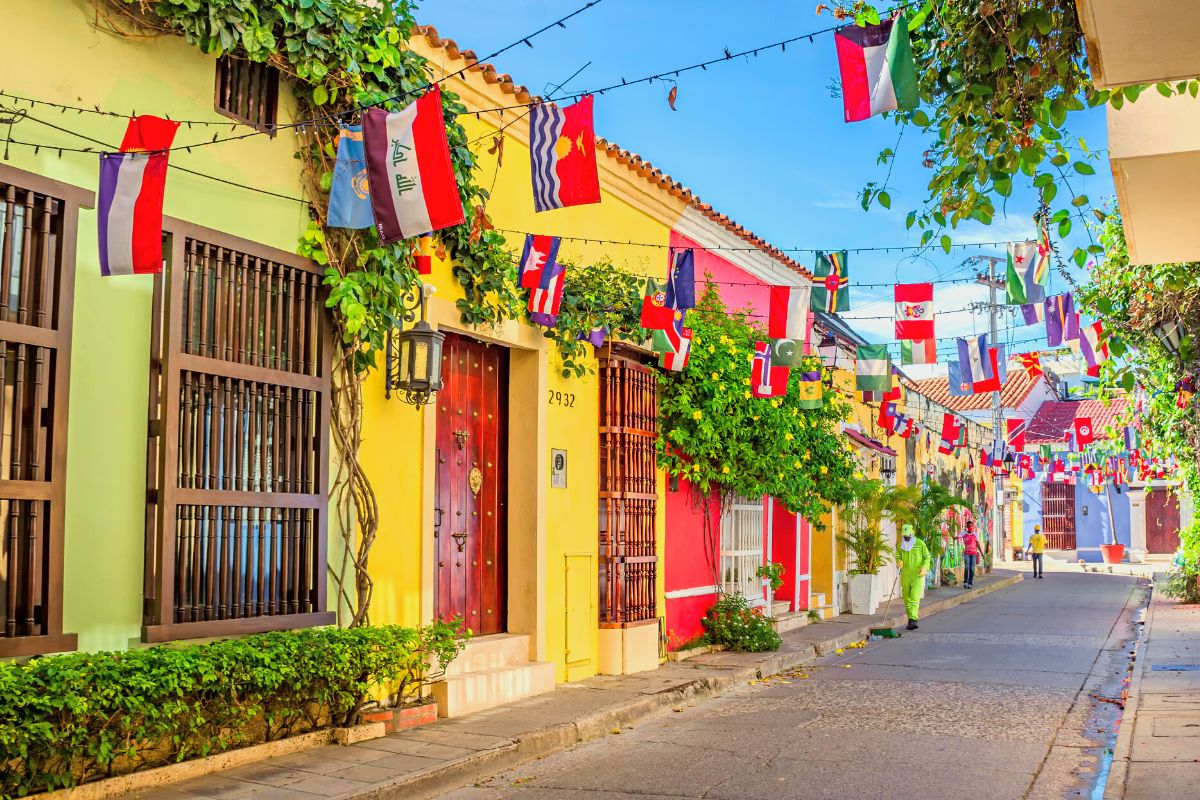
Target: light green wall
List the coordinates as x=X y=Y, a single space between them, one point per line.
x=53 y=53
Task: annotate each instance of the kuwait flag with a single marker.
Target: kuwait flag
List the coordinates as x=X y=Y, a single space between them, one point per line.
x=918 y=351
x=789 y=316
x=130 y=211
x=409 y=175
x=877 y=67
x=562 y=155
x=766 y=379
x=914 y=311
x=540 y=252
x=1028 y=271
x=873 y=368
x=831 y=279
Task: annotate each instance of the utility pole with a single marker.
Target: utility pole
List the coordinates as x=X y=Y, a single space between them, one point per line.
x=998 y=429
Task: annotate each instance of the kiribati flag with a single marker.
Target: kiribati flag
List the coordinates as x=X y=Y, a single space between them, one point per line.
x=130 y=212
x=409 y=174
x=562 y=155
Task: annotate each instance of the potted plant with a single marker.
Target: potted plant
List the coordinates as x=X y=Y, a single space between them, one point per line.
x=866 y=543
x=1114 y=551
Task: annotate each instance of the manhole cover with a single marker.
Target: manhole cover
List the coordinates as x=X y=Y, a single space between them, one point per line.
x=1175 y=668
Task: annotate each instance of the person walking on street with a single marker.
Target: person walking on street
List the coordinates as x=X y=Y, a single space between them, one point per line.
x=970 y=555
x=1037 y=546
x=913 y=557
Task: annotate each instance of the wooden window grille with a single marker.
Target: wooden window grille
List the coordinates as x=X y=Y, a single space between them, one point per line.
x=248 y=91
x=38 y=225
x=238 y=453
x=628 y=491
x=1058 y=515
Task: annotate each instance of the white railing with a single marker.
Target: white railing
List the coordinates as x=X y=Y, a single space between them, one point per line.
x=742 y=549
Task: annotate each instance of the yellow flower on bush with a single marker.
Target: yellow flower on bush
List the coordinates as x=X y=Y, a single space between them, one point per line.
x=775 y=404
x=697 y=414
x=712 y=349
x=796 y=464
x=748 y=395
x=788 y=436
x=806 y=455
x=858 y=476
x=750 y=358
x=824 y=470
x=725 y=470
x=721 y=388
x=716 y=375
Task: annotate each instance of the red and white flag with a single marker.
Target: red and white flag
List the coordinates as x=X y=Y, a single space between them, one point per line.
x=790 y=317
x=1016 y=429
x=1083 y=431
x=409 y=174
x=562 y=155
x=766 y=379
x=914 y=311
x=951 y=434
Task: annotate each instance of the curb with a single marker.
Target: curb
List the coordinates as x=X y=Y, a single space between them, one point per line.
x=557 y=738
x=1114 y=786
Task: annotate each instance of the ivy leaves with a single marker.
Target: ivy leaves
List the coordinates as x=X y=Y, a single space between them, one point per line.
x=719 y=437
x=595 y=296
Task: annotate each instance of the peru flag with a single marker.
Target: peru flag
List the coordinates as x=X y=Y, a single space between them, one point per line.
x=409 y=174
x=877 y=68
x=562 y=155
x=130 y=212
x=789 y=317
x=914 y=311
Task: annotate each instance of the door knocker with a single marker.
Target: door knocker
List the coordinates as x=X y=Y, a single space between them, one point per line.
x=461 y=438
x=460 y=540
x=475 y=480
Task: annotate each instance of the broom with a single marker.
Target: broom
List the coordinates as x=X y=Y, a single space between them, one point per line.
x=887 y=633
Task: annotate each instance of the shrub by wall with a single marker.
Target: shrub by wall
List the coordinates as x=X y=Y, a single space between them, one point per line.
x=71 y=718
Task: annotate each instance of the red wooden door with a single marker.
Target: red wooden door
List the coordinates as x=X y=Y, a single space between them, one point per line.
x=471 y=484
x=1162 y=521
x=1058 y=515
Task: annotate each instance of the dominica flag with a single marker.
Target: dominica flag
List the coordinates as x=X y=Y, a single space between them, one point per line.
x=918 y=351
x=873 y=368
x=1028 y=270
x=831 y=283
x=810 y=394
x=877 y=68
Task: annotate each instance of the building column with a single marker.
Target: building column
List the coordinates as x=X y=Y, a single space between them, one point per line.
x=1137 y=525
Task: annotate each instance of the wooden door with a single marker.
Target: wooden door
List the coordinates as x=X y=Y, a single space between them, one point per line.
x=471 y=484
x=1162 y=521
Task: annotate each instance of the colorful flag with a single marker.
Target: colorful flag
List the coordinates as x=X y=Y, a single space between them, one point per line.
x=905 y=425
x=677 y=360
x=1186 y=390
x=873 y=368
x=810 y=395
x=787 y=352
x=1032 y=362
x=1083 y=431
x=595 y=336
x=918 y=351
x=562 y=155
x=656 y=314
x=978 y=364
x=988 y=458
x=539 y=253
x=1033 y=313
x=830 y=285
x=789 y=316
x=1025 y=467
x=148 y=133
x=349 y=195
x=546 y=297
x=1016 y=430
x=951 y=432
x=674 y=343
x=958 y=387
x=1133 y=438
x=1093 y=345
x=877 y=68
x=129 y=212
x=882 y=397
x=1062 y=323
x=914 y=311
x=887 y=417
x=767 y=379
x=1028 y=270
x=681 y=279
x=409 y=174
x=422 y=253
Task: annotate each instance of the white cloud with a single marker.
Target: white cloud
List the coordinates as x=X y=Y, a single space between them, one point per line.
x=1008 y=228
x=842 y=200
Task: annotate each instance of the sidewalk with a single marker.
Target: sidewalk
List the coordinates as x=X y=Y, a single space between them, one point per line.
x=1158 y=746
x=455 y=752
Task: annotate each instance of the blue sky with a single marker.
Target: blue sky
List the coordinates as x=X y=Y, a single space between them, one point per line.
x=761 y=139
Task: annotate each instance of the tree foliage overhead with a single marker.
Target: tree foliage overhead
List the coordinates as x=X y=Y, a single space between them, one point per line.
x=721 y=438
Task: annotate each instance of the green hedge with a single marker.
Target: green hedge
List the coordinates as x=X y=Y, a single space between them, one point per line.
x=66 y=719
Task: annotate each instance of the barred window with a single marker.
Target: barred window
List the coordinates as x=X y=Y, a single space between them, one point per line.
x=247 y=91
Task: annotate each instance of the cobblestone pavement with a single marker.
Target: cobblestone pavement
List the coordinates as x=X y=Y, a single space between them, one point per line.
x=1006 y=697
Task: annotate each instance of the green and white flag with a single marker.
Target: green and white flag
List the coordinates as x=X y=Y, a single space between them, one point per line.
x=873 y=368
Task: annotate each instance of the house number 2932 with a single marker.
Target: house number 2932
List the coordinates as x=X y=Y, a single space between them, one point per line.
x=562 y=399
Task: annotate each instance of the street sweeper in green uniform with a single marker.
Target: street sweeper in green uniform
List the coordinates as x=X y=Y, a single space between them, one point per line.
x=913 y=557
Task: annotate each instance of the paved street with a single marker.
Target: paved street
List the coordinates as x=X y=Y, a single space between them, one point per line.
x=1003 y=697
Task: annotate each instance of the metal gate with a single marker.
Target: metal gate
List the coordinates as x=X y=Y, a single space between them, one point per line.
x=1058 y=515
x=742 y=549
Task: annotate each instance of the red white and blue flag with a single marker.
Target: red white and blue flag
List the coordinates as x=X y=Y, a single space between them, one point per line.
x=952 y=432
x=409 y=174
x=1016 y=429
x=767 y=379
x=1093 y=346
x=674 y=344
x=562 y=155
x=539 y=252
x=978 y=364
x=546 y=297
x=914 y=310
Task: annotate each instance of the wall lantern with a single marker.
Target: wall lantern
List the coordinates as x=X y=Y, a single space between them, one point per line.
x=1170 y=333
x=414 y=356
x=828 y=350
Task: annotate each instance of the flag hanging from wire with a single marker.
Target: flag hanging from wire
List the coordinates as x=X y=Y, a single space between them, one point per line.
x=562 y=155
x=873 y=368
x=914 y=311
x=129 y=212
x=1032 y=363
x=978 y=364
x=1016 y=429
x=1062 y=323
x=810 y=394
x=539 y=253
x=1093 y=346
x=767 y=379
x=349 y=195
x=877 y=69
x=952 y=430
x=830 y=285
x=789 y=317
x=1028 y=270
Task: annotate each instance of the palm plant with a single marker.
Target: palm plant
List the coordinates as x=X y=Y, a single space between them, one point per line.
x=928 y=513
x=864 y=538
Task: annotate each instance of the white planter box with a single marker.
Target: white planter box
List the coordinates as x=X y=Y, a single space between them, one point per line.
x=865 y=594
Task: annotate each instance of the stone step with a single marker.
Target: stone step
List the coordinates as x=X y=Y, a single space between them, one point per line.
x=779 y=607
x=490 y=652
x=469 y=692
x=790 y=621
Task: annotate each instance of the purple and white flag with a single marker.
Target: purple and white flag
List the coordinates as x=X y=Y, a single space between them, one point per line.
x=130 y=211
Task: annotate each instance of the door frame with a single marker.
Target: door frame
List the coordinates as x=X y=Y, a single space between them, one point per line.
x=528 y=475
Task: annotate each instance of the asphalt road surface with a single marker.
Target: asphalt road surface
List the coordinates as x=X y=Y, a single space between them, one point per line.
x=1009 y=696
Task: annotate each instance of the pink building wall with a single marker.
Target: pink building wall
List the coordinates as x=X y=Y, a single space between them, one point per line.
x=738 y=289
